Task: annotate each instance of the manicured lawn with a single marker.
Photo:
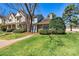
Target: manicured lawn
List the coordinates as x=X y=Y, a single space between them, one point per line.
x=1 y=32
x=40 y=45
x=8 y=36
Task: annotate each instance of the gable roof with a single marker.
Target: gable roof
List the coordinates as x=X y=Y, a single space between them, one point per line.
x=22 y=12
x=45 y=21
x=7 y=17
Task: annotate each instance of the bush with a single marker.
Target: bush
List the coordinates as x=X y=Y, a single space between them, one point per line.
x=45 y=32
x=57 y=25
x=19 y=31
x=53 y=31
x=9 y=30
x=3 y=29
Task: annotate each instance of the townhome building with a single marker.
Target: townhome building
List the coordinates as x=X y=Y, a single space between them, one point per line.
x=19 y=21
x=13 y=21
x=10 y=21
x=44 y=24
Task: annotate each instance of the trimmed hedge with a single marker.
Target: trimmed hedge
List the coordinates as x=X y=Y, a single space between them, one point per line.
x=45 y=32
x=9 y=30
x=19 y=31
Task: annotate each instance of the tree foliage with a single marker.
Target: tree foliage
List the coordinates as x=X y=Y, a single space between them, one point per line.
x=74 y=21
x=70 y=11
x=57 y=25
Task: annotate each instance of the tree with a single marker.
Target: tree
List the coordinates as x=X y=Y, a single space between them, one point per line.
x=51 y=21
x=74 y=21
x=57 y=25
x=28 y=8
x=68 y=13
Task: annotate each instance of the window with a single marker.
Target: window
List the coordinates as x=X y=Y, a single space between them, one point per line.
x=10 y=20
x=45 y=27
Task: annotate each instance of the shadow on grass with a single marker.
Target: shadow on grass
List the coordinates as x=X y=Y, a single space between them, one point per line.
x=54 y=34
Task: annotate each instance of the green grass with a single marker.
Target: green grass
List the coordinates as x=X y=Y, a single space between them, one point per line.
x=1 y=32
x=8 y=36
x=41 y=45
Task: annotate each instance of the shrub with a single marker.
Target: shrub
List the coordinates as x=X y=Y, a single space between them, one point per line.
x=53 y=31
x=3 y=29
x=45 y=32
x=19 y=31
x=9 y=30
x=57 y=25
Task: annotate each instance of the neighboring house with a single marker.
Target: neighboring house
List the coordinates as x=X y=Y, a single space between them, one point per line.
x=2 y=21
x=36 y=20
x=21 y=19
x=44 y=24
x=1 y=17
x=14 y=21
x=10 y=21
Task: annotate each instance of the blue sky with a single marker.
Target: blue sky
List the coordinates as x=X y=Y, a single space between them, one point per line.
x=43 y=8
x=57 y=8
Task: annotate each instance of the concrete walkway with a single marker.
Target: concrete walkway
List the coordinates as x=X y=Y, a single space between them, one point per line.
x=73 y=30
x=4 y=43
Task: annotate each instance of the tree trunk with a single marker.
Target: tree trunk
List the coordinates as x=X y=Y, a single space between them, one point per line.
x=70 y=24
x=70 y=27
x=29 y=24
x=28 y=28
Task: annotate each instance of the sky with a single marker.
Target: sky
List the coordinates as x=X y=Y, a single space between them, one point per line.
x=43 y=8
x=46 y=8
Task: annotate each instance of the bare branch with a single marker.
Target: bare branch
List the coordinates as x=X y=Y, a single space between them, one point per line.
x=35 y=5
x=11 y=6
x=26 y=5
x=23 y=8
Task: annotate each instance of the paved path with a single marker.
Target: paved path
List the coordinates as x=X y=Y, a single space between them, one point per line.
x=73 y=30
x=4 y=43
